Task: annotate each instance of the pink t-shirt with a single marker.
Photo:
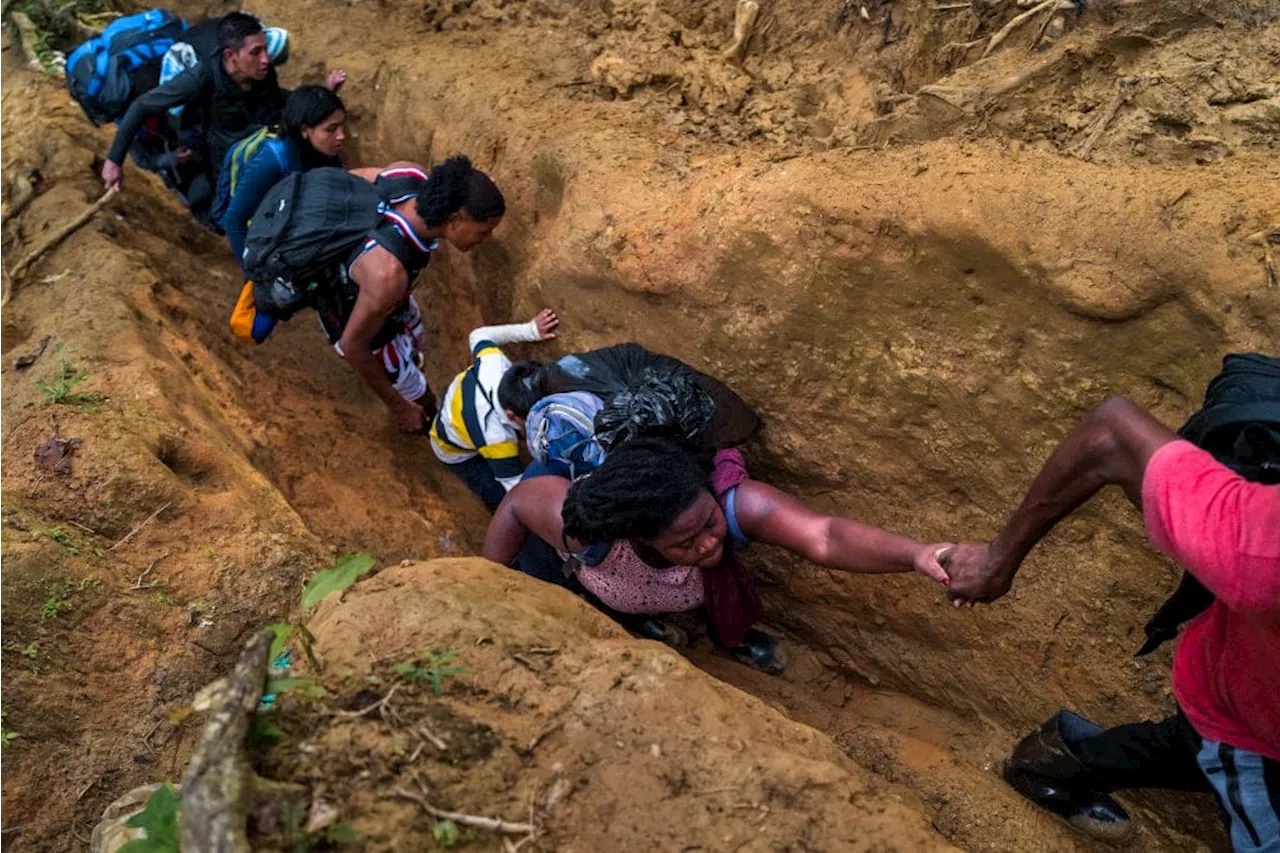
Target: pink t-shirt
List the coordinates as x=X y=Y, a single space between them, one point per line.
x=630 y=585
x=1225 y=531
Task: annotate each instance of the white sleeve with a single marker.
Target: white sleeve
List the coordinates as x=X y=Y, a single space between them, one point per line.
x=512 y=333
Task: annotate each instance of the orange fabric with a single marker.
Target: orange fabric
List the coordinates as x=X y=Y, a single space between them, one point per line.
x=243 y=314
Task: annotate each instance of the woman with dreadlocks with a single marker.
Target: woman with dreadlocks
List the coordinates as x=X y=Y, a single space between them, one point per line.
x=658 y=526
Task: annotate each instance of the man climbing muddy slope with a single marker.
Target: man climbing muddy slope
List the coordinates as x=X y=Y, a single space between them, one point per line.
x=351 y=245
x=1220 y=519
x=232 y=94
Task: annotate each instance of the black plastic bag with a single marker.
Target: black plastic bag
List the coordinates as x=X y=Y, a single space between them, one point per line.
x=653 y=393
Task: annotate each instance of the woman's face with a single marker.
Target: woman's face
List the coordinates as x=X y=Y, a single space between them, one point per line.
x=328 y=136
x=465 y=233
x=696 y=537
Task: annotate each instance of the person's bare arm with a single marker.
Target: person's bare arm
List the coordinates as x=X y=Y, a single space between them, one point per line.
x=533 y=506
x=1112 y=445
x=776 y=518
x=383 y=284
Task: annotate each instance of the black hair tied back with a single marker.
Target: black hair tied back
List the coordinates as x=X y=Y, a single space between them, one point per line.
x=456 y=185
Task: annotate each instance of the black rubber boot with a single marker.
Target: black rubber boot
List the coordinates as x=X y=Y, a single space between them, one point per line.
x=759 y=650
x=1043 y=769
x=652 y=628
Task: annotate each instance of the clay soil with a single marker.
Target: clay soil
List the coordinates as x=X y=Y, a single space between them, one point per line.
x=921 y=265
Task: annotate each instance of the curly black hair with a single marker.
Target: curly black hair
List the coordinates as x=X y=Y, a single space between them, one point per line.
x=640 y=489
x=457 y=185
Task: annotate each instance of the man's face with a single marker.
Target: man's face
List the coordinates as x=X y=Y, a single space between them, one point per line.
x=251 y=61
x=465 y=233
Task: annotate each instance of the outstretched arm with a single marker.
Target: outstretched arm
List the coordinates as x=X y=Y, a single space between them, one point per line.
x=540 y=328
x=776 y=518
x=1112 y=445
x=183 y=89
x=533 y=506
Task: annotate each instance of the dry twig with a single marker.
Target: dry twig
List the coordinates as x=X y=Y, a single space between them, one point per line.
x=1003 y=33
x=543 y=735
x=436 y=741
x=376 y=706
x=134 y=532
x=744 y=20
x=1121 y=98
x=138 y=584
x=60 y=235
x=492 y=824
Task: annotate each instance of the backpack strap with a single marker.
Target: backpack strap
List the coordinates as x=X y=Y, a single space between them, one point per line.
x=244 y=152
x=470 y=383
x=396 y=235
x=740 y=540
x=400 y=183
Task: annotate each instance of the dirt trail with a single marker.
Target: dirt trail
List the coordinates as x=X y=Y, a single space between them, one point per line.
x=918 y=322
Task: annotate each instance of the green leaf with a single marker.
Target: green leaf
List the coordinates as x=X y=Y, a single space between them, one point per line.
x=344 y=573
x=160 y=822
x=289 y=684
x=341 y=833
x=446 y=833
x=282 y=632
x=262 y=729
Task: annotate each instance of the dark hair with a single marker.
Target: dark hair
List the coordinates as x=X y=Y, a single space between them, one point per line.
x=307 y=106
x=234 y=28
x=457 y=185
x=639 y=490
x=521 y=386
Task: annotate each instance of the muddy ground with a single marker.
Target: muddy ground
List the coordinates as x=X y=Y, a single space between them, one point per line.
x=919 y=264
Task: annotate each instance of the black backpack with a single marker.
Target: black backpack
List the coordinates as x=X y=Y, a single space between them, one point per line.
x=305 y=226
x=101 y=72
x=1239 y=424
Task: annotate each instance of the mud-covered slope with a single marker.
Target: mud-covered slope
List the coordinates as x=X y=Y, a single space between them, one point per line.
x=603 y=741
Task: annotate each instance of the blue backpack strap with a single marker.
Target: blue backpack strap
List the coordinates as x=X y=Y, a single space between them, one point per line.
x=738 y=538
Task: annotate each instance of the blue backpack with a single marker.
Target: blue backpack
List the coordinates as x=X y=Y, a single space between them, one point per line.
x=560 y=431
x=100 y=71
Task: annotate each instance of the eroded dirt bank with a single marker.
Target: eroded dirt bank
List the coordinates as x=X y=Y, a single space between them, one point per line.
x=917 y=323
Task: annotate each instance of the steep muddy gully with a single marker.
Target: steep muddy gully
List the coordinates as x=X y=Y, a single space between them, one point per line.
x=916 y=324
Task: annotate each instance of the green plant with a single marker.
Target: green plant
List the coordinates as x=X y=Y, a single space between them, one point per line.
x=341 y=833
x=169 y=600
x=429 y=666
x=343 y=574
x=7 y=736
x=446 y=833
x=208 y=551
x=336 y=578
x=52 y=608
x=63 y=538
x=159 y=820
x=29 y=651
x=61 y=390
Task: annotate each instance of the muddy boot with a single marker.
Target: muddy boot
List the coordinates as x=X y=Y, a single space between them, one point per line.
x=1043 y=769
x=759 y=650
x=664 y=632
